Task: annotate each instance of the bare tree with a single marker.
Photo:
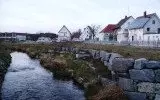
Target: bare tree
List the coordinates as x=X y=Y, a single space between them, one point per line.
x=95 y=29
x=76 y=34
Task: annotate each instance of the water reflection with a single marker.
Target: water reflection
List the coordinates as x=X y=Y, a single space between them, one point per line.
x=27 y=80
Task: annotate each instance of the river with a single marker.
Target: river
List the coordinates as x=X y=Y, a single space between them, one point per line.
x=26 y=79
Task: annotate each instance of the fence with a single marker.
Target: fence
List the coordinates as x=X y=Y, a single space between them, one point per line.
x=132 y=43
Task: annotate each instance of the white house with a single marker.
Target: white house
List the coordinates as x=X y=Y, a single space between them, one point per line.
x=107 y=34
x=122 y=29
x=44 y=40
x=145 y=28
x=64 y=34
x=87 y=34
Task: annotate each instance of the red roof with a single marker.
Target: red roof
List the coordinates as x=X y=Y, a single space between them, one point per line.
x=109 y=29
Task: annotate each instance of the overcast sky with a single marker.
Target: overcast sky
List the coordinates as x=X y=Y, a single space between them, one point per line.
x=51 y=15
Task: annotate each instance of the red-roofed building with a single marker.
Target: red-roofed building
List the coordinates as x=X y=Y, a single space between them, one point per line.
x=107 y=34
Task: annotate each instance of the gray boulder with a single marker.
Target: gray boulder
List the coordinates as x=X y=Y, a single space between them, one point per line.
x=140 y=63
x=106 y=81
x=97 y=55
x=102 y=55
x=157 y=75
x=83 y=56
x=107 y=57
x=157 y=97
x=113 y=56
x=122 y=65
x=126 y=84
x=136 y=96
x=153 y=64
x=142 y=75
x=146 y=87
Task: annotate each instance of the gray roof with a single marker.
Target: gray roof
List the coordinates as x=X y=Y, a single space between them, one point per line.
x=141 y=21
x=122 y=21
x=138 y=23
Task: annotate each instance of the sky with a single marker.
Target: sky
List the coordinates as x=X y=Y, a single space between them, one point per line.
x=50 y=15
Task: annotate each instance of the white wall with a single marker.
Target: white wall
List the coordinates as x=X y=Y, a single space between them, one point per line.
x=137 y=34
x=151 y=37
x=85 y=34
x=21 y=37
x=153 y=27
x=120 y=32
x=64 y=34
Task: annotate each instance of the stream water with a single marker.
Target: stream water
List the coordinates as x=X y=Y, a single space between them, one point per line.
x=26 y=79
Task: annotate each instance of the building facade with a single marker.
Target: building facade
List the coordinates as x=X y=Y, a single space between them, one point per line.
x=64 y=34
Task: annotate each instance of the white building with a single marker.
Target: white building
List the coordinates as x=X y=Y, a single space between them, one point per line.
x=13 y=36
x=107 y=34
x=44 y=40
x=145 y=28
x=87 y=34
x=64 y=34
x=122 y=29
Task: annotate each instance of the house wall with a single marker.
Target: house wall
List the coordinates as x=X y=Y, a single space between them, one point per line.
x=136 y=35
x=21 y=37
x=100 y=36
x=122 y=33
x=86 y=34
x=64 y=34
x=153 y=27
x=151 y=37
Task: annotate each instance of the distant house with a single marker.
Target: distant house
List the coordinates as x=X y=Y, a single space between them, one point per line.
x=122 y=29
x=64 y=34
x=145 y=28
x=107 y=34
x=87 y=34
x=44 y=40
x=13 y=36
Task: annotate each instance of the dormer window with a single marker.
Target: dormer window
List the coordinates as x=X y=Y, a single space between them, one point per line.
x=153 y=22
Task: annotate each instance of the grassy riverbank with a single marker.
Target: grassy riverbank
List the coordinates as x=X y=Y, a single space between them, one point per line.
x=126 y=51
x=5 y=60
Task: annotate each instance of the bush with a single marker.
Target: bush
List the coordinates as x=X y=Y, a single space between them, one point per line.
x=110 y=92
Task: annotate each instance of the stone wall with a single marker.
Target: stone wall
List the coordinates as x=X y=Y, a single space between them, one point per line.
x=140 y=78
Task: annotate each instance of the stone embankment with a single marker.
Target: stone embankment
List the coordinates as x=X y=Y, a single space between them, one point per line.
x=140 y=78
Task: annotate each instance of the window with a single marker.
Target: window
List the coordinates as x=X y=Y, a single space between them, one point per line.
x=158 y=30
x=153 y=22
x=148 y=29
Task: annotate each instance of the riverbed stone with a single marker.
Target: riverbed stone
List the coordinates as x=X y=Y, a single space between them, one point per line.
x=153 y=64
x=157 y=97
x=146 y=87
x=122 y=64
x=126 y=84
x=142 y=75
x=140 y=63
x=83 y=56
x=136 y=96
x=157 y=75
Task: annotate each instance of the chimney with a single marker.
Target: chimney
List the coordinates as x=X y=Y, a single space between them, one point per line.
x=125 y=17
x=145 y=14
